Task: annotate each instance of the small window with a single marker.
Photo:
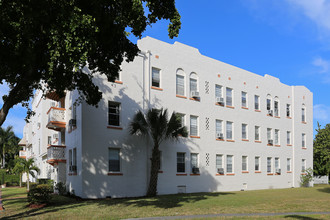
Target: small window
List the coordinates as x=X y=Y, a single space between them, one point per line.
x=257 y=163
x=155 y=77
x=70 y=157
x=114 y=160
x=277 y=137
x=276 y=108
x=218 y=91
x=181 y=163
x=219 y=161
x=288 y=164
x=182 y=118
x=256 y=102
x=257 y=133
x=288 y=137
x=303 y=138
x=218 y=129
x=180 y=85
x=303 y=165
x=194 y=161
x=229 y=96
x=229 y=130
x=269 y=164
x=193 y=125
x=114 y=113
x=269 y=104
x=277 y=163
x=244 y=131
x=303 y=114
x=193 y=83
x=244 y=99
x=49 y=140
x=244 y=163
x=288 y=110
x=230 y=164
x=269 y=135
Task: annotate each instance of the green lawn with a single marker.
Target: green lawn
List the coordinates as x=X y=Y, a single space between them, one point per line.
x=261 y=201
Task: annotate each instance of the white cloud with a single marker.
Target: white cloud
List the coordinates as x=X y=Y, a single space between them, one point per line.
x=17 y=123
x=321 y=112
x=324 y=66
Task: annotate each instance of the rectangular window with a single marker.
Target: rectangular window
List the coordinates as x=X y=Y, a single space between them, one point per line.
x=277 y=137
x=219 y=161
x=70 y=157
x=269 y=164
x=182 y=118
x=244 y=99
x=288 y=138
x=155 y=77
x=193 y=85
x=288 y=164
x=74 y=111
x=268 y=104
x=277 y=163
x=229 y=96
x=114 y=160
x=229 y=164
x=257 y=133
x=49 y=140
x=180 y=163
x=244 y=131
x=180 y=85
x=218 y=91
x=269 y=135
x=74 y=159
x=229 y=130
x=303 y=165
x=114 y=113
x=257 y=163
x=276 y=109
x=288 y=110
x=218 y=129
x=303 y=140
x=244 y=163
x=256 y=102
x=193 y=125
x=303 y=115
x=194 y=162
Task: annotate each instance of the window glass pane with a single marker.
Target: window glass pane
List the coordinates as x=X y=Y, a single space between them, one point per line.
x=268 y=104
x=219 y=161
x=277 y=163
x=229 y=130
x=193 y=85
x=276 y=136
x=257 y=136
x=269 y=133
x=180 y=85
x=194 y=161
x=276 y=108
x=244 y=163
x=229 y=97
x=269 y=164
x=181 y=168
x=244 y=128
x=114 y=113
x=303 y=114
x=229 y=164
x=155 y=77
x=288 y=138
x=256 y=102
x=288 y=166
x=244 y=104
x=114 y=160
x=256 y=162
x=288 y=109
x=218 y=126
x=193 y=126
x=303 y=141
x=218 y=91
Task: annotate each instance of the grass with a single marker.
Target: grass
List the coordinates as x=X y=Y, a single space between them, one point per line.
x=316 y=199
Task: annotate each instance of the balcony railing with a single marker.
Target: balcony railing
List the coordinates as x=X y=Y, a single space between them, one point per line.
x=56 y=118
x=56 y=154
x=22 y=154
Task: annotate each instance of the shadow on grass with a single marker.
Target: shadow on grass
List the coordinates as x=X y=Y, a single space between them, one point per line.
x=300 y=217
x=325 y=189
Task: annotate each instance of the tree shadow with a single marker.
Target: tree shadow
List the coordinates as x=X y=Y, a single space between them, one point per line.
x=324 y=189
x=300 y=217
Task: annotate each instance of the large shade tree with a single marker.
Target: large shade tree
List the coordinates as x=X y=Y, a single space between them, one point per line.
x=8 y=143
x=156 y=126
x=322 y=151
x=45 y=44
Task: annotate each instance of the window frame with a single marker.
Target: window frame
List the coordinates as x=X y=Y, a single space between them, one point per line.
x=110 y=169
x=184 y=162
x=257 y=133
x=153 y=79
x=229 y=97
x=191 y=126
x=244 y=135
x=245 y=163
x=231 y=131
x=269 y=165
x=256 y=102
x=257 y=163
x=217 y=122
x=117 y=114
x=288 y=165
x=244 y=99
x=191 y=161
x=230 y=166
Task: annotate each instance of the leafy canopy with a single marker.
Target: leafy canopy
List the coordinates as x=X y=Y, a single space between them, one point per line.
x=45 y=44
x=322 y=151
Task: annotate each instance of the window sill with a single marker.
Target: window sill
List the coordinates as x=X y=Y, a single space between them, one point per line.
x=156 y=88
x=257 y=141
x=114 y=127
x=72 y=174
x=115 y=174
x=218 y=174
x=304 y=122
x=277 y=174
x=181 y=174
x=257 y=171
x=303 y=174
x=195 y=99
x=181 y=96
x=269 y=145
x=194 y=136
x=219 y=104
x=277 y=116
x=195 y=174
x=270 y=174
x=160 y=171
x=269 y=115
x=118 y=82
x=230 y=140
x=277 y=145
x=288 y=171
x=245 y=140
x=290 y=145
x=230 y=174
x=219 y=139
x=245 y=171
x=256 y=110
x=304 y=148
x=288 y=117
x=245 y=108
x=229 y=106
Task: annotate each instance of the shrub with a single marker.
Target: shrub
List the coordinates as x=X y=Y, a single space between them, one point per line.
x=40 y=194
x=306 y=178
x=61 y=188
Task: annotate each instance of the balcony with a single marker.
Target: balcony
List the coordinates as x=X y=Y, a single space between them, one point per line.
x=56 y=119
x=56 y=154
x=22 y=154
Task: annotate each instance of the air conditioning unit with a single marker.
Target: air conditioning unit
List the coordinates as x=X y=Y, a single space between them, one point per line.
x=195 y=170
x=270 y=141
x=219 y=100
x=220 y=135
x=270 y=112
x=195 y=94
x=52 y=104
x=73 y=122
x=278 y=171
x=55 y=136
x=221 y=171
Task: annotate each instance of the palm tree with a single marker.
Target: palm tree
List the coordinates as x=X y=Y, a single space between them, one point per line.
x=19 y=169
x=29 y=169
x=7 y=139
x=156 y=126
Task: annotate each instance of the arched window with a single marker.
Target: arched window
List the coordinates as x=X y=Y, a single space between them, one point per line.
x=193 y=82
x=180 y=82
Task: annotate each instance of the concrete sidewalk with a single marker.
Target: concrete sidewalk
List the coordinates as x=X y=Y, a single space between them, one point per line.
x=234 y=215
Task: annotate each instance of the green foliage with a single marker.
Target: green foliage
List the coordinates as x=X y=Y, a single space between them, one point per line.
x=9 y=179
x=306 y=178
x=40 y=194
x=322 y=151
x=8 y=147
x=61 y=188
x=51 y=41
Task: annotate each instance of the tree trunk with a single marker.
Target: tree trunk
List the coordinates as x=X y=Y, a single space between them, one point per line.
x=4 y=157
x=155 y=162
x=27 y=181
x=20 y=180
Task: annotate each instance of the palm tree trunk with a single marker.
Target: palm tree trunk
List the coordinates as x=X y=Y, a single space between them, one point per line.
x=3 y=156
x=155 y=162
x=27 y=181
x=20 y=180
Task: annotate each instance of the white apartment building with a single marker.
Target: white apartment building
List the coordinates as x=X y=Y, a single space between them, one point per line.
x=246 y=131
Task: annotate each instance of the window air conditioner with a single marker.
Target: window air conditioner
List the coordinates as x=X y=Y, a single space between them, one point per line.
x=55 y=136
x=221 y=171
x=195 y=94
x=219 y=100
x=270 y=112
x=270 y=141
x=278 y=171
x=195 y=170
x=220 y=135
x=73 y=122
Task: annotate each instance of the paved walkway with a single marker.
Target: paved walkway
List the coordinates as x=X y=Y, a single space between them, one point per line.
x=233 y=215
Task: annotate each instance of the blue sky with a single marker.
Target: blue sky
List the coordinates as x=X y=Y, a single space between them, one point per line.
x=289 y=39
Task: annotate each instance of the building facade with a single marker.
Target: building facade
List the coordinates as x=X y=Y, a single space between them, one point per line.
x=246 y=131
